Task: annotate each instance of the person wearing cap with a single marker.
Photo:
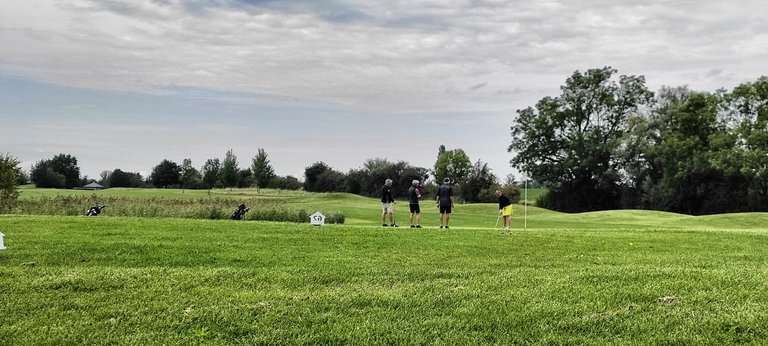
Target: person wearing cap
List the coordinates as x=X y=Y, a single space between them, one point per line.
x=445 y=201
x=414 y=193
x=505 y=209
x=386 y=204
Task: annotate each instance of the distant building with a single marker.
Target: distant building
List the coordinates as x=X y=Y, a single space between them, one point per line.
x=93 y=186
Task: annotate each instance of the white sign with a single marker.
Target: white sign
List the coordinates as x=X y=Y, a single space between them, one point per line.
x=317 y=219
x=1 y=241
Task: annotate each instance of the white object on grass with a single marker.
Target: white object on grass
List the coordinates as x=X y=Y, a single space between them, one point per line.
x=317 y=219
x=1 y=241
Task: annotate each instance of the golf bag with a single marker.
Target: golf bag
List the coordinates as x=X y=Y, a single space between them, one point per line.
x=239 y=213
x=94 y=210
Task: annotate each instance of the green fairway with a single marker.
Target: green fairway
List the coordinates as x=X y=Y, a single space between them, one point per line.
x=611 y=277
x=623 y=277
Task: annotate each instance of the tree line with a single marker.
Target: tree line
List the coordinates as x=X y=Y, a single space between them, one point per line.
x=611 y=143
x=472 y=182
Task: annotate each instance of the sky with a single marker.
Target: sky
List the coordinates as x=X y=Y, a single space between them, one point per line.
x=128 y=83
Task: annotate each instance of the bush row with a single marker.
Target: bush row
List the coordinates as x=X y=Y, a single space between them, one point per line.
x=208 y=208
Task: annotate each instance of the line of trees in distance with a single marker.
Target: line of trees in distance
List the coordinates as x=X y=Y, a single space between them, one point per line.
x=611 y=143
x=215 y=173
x=472 y=182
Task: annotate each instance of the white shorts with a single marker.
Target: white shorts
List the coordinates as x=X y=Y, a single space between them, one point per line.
x=386 y=208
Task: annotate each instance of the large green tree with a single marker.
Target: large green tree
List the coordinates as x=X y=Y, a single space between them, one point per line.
x=119 y=178
x=43 y=176
x=230 y=170
x=61 y=171
x=454 y=164
x=681 y=175
x=740 y=152
x=190 y=176
x=67 y=165
x=568 y=142
x=261 y=169
x=166 y=174
x=9 y=176
x=211 y=172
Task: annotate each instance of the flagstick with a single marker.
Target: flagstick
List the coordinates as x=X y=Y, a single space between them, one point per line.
x=525 y=222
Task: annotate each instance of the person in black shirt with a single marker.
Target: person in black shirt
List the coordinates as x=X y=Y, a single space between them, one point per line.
x=445 y=202
x=387 y=204
x=505 y=209
x=414 y=193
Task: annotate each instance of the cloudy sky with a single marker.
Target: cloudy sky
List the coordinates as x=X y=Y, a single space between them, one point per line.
x=128 y=83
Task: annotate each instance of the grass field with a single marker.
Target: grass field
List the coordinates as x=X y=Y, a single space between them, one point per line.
x=618 y=277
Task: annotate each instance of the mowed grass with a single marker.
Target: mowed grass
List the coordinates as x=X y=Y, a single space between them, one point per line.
x=606 y=278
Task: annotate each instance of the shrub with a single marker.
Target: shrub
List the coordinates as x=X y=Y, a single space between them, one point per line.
x=9 y=177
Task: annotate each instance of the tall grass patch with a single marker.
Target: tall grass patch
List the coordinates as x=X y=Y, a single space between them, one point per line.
x=214 y=208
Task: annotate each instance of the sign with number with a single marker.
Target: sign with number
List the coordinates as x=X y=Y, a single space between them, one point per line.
x=317 y=219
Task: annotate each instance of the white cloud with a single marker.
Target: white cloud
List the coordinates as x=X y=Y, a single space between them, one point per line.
x=401 y=55
x=420 y=58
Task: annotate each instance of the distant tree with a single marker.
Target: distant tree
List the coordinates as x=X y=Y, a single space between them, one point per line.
x=285 y=183
x=166 y=174
x=211 y=172
x=137 y=180
x=488 y=195
x=262 y=170
x=190 y=177
x=85 y=180
x=312 y=173
x=23 y=178
x=369 y=179
x=454 y=164
x=229 y=169
x=405 y=175
x=356 y=180
x=43 y=175
x=105 y=177
x=9 y=176
x=61 y=171
x=66 y=165
x=321 y=178
x=118 y=178
x=330 y=181
x=244 y=178
x=480 y=178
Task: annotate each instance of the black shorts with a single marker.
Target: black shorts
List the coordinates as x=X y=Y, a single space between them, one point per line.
x=445 y=209
x=415 y=209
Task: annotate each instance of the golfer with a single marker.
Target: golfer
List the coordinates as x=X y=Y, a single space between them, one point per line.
x=505 y=209
x=414 y=193
x=445 y=202
x=387 y=204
